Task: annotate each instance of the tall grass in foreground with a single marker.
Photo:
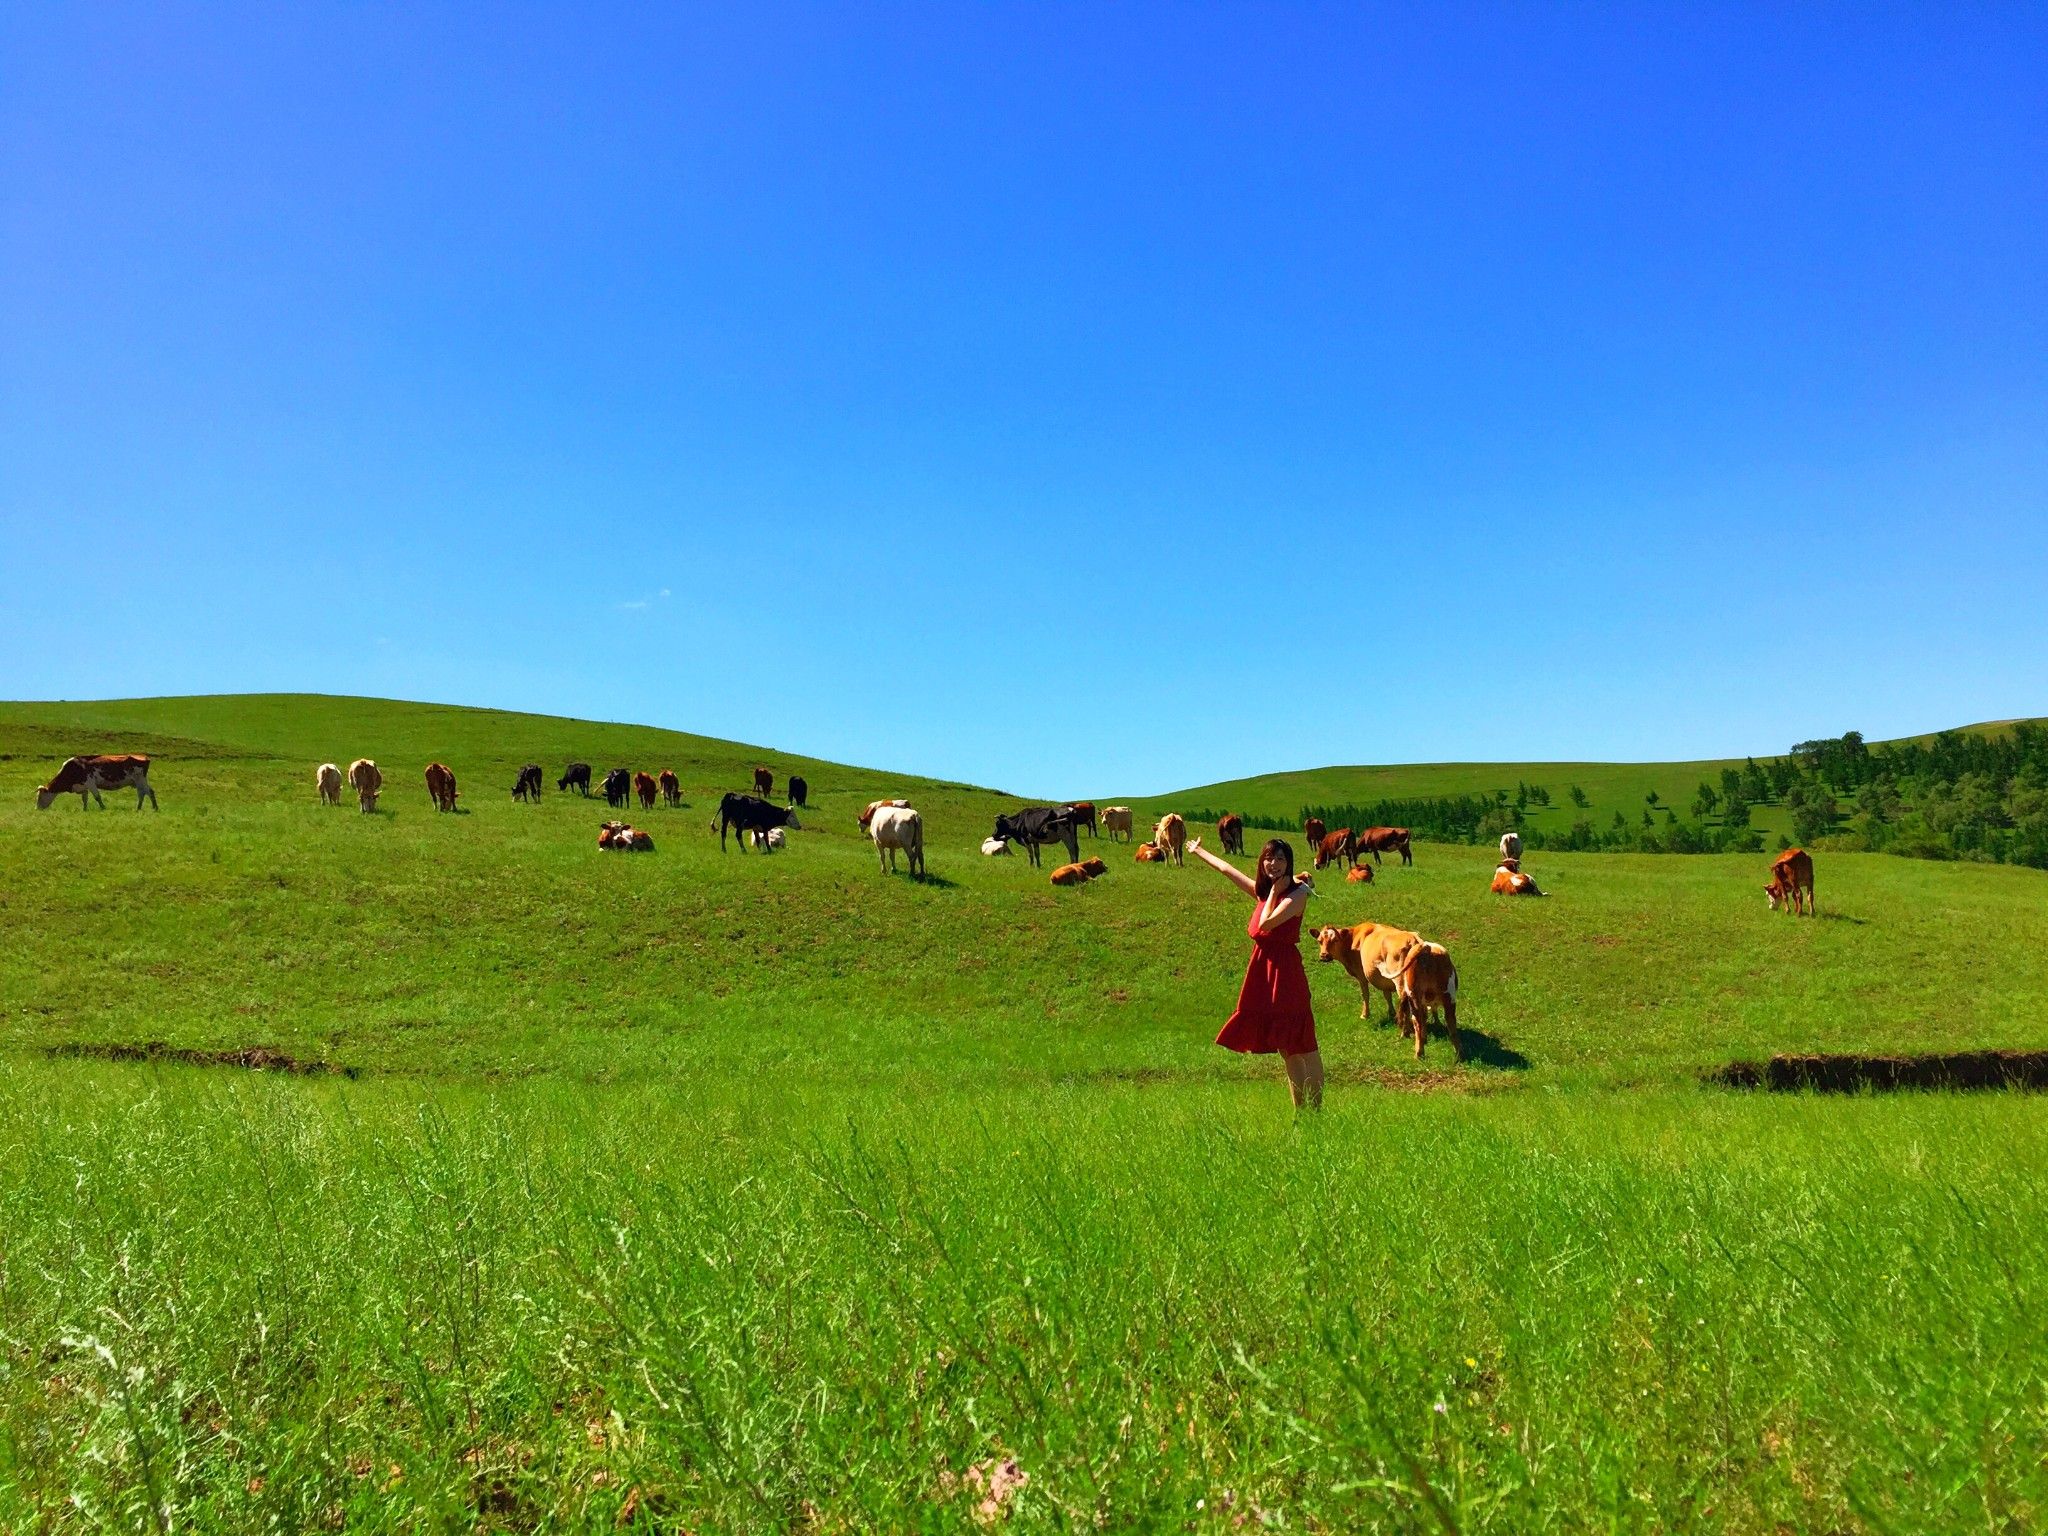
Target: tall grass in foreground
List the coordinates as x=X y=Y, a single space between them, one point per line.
x=234 y=1304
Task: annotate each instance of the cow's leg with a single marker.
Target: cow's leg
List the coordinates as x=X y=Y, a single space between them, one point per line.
x=1451 y=1026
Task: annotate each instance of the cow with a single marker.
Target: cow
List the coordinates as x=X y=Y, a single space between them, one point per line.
x=1036 y=825
x=1150 y=853
x=748 y=814
x=764 y=782
x=799 y=791
x=1171 y=835
x=1379 y=840
x=671 y=788
x=1360 y=875
x=1095 y=867
x=1791 y=875
x=82 y=776
x=775 y=839
x=618 y=789
x=577 y=774
x=1312 y=830
x=328 y=778
x=1370 y=952
x=1510 y=846
x=1115 y=819
x=620 y=838
x=897 y=828
x=1082 y=813
x=1508 y=880
x=868 y=813
x=441 y=786
x=1069 y=874
x=1336 y=845
x=1426 y=982
x=1230 y=833
x=528 y=787
x=367 y=781
x=643 y=786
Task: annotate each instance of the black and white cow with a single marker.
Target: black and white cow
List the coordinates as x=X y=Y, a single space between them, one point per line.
x=748 y=814
x=528 y=787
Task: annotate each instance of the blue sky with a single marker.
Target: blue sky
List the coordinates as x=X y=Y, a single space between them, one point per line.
x=1077 y=399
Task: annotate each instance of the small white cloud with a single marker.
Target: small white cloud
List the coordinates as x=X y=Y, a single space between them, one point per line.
x=664 y=591
x=630 y=607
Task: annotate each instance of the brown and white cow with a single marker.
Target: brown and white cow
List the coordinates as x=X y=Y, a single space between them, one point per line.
x=1791 y=877
x=671 y=788
x=620 y=838
x=1510 y=846
x=1371 y=952
x=1425 y=983
x=1230 y=832
x=1508 y=880
x=764 y=782
x=328 y=779
x=441 y=786
x=643 y=786
x=1150 y=853
x=1115 y=819
x=367 y=781
x=1336 y=845
x=1379 y=840
x=1171 y=835
x=82 y=776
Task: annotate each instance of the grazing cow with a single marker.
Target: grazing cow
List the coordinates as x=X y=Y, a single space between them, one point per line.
x=1312 y=831
x=1508 y=880
x=868 y=814
x=1336 y=845
x=82 y=776
x=328 y=777
x=1082 y=813
x=671 y=788
x=764 y=782
x=367 y=781
x=441 y=786
x=897 y=828
x=643 y=786
x=1361 y=874
x=1230 y=832
x=1150 y=853
x=1791 y=875
x=1115 y=819
x=528 y=787
x=1036 y=825
x=1510 y=846
x=747 y=814
x=618 y=789
x=1172 y=835
x=1070 y=874
x=1371 y=952
x=1095 y=867
x=620 y=838
x=577 y=774
x=799 y=791
x=1427 y=981
x=1379 y=840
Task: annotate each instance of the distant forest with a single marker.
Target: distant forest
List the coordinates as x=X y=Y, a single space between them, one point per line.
x=1959 y=796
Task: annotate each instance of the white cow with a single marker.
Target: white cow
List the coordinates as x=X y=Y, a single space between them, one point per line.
x=895 y=827
x=367 y=781
x=995 y=845
x=1511 y=845
x=328 y=777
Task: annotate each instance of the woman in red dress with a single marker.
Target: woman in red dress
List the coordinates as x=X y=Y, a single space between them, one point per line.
x=1273 y=1011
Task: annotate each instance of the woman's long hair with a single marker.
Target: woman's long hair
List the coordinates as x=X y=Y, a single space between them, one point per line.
x=1285 y=849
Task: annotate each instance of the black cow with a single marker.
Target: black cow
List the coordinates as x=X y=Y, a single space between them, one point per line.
x=748 y=814
x=618 y=787
x=1038 y=824
x=577 y=774
x=528 y=787
x=799 y=791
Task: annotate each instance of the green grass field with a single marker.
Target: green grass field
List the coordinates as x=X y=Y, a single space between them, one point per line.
x=725 y=1192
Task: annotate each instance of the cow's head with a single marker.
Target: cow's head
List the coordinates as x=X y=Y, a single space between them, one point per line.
x=45 y=797
x=1332 y=942
x=1774 y=893
x=792 y=823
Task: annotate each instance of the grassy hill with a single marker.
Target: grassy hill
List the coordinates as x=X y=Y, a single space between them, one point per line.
x=719 y=1191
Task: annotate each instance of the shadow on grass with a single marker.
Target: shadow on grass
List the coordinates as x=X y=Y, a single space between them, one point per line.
x=1484 y=1050
x=1843 y=917
x=940 y=881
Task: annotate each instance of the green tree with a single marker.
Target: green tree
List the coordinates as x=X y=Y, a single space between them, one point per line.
x=1735 y=812
x=1704 y=802
x=1579 y=797
x=1651 y=799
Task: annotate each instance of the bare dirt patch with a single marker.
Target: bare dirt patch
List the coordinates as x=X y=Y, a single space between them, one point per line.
x=252 y=1058
x=1975 y=1070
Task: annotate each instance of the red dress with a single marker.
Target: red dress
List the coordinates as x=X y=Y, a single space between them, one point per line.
x=1273 y=1012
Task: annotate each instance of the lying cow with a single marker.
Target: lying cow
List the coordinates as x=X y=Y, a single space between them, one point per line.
x=770 y=839
x=1151 y=853
x=528 y=787
x=620 y=838
x=1115 y=819
x=643 y=786
x=898 y=829
x=1508 y=880
x=441 y=786
x=1791 y=877
x=1070 y=874
x=1371 y=952
x=993 y=847
x=368 y=782
x=82 y=776
x=1095 y=867
x=577 y=774
x=1171 y=834
x=1230 y=833
x=1425 y=983
x=1360 y=875
x=671 y=788
x=748 y=814
x=1036 y=825
x=328 y=778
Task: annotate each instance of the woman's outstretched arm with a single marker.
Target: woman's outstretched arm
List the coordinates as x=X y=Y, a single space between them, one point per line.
x=1244 y=881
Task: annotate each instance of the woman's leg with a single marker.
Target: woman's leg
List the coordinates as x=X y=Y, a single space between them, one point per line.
x=1305 y=1079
